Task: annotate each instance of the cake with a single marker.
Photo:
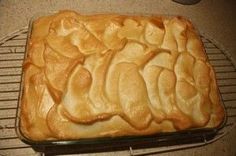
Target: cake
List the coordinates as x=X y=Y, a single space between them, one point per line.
x=110 y=75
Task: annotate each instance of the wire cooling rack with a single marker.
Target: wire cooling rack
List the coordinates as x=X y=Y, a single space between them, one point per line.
x=12 y=49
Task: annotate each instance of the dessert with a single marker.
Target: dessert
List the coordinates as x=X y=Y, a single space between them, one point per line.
x=90 y=76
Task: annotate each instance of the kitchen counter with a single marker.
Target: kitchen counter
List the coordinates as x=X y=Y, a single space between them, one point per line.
x=216 y=18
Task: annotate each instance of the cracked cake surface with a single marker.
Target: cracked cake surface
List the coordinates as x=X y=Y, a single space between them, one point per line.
x=89 y=76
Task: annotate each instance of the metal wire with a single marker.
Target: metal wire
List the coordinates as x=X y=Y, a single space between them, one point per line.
x=12 y=48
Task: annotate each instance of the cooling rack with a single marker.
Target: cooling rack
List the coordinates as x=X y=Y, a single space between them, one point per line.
x=12 y=49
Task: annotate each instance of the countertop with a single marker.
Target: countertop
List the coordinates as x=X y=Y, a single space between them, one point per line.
x=214 y=17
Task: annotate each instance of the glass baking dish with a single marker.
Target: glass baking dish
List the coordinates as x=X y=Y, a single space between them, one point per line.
x=113 y=143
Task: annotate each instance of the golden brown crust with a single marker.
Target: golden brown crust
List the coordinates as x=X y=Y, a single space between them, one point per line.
x=116 y=75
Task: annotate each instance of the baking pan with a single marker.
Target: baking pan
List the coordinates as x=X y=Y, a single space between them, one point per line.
x=113 y=143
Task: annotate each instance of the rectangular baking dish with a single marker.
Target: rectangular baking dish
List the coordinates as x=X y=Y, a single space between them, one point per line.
x=109 y=143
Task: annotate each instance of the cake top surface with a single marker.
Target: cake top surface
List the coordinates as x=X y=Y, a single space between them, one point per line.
x=133 y=74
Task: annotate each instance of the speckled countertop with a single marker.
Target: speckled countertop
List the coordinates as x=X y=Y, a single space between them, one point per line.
x=214 y=17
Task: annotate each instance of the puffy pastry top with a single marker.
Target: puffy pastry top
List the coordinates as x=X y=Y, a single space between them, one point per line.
x=115 y=75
